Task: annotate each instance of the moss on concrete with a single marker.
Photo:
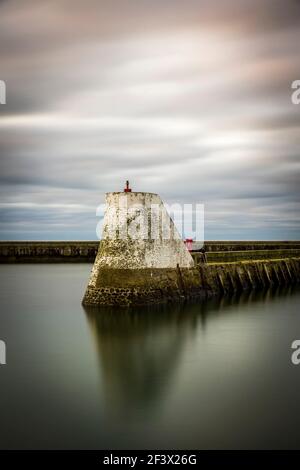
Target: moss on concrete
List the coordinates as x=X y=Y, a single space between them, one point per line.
x=125 y=287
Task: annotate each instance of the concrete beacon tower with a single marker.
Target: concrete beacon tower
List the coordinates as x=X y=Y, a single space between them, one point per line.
x=141 y=258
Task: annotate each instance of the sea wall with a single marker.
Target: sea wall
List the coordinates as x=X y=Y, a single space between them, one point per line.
x=232 y=267
x=48 y=252
x=124 y=287
x=259 y=274
x=86 y=251
x=243 y=255
x=225 y=245
x=158 y=286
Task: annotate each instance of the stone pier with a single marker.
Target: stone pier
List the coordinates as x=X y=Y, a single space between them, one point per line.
x=141 y=257
x=137 y=264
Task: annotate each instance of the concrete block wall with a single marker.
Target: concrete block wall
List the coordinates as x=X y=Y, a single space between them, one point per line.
x=138 y=233
x=145 y=287
x=86 y=251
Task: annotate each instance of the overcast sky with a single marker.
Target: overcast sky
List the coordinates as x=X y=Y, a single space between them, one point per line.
x=190 y=99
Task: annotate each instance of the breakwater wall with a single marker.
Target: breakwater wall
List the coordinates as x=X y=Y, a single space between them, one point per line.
x=48 y=251
x=228 y=267
x=232 y=277
x=133 y=287
x=85 y=251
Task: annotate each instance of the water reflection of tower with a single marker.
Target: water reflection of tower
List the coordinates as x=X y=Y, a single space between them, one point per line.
x=139 y=352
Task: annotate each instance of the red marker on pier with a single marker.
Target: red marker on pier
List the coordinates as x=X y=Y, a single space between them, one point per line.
x=127 y=189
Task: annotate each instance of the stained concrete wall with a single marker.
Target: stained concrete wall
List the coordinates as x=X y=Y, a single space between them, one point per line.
x=86 y=251
x=47 y=251
x=125 y=287
x=221 y=274
x=246 y=245
x=158 y=286
x=235 y=276
x=138 y=234
x=229 y=256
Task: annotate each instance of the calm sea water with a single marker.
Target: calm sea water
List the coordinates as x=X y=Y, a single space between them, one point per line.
x=206 y=375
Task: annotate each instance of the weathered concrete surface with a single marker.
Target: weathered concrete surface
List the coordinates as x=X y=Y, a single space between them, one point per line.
x=226 y=271
x=86 y=251
x=225 y=245
x=229 y=256
x=235 y=276
x=123 y=287
x=145 y=272
x=47 y=251
x=127 y=287
x=144 y=245
x=139 y=233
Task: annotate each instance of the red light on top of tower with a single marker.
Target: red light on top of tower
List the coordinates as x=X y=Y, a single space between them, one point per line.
x=127 y=188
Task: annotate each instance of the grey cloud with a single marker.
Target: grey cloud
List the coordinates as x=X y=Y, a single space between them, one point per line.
x=187 y=99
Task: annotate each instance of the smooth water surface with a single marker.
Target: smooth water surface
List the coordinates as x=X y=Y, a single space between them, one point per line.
x=204 y=375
